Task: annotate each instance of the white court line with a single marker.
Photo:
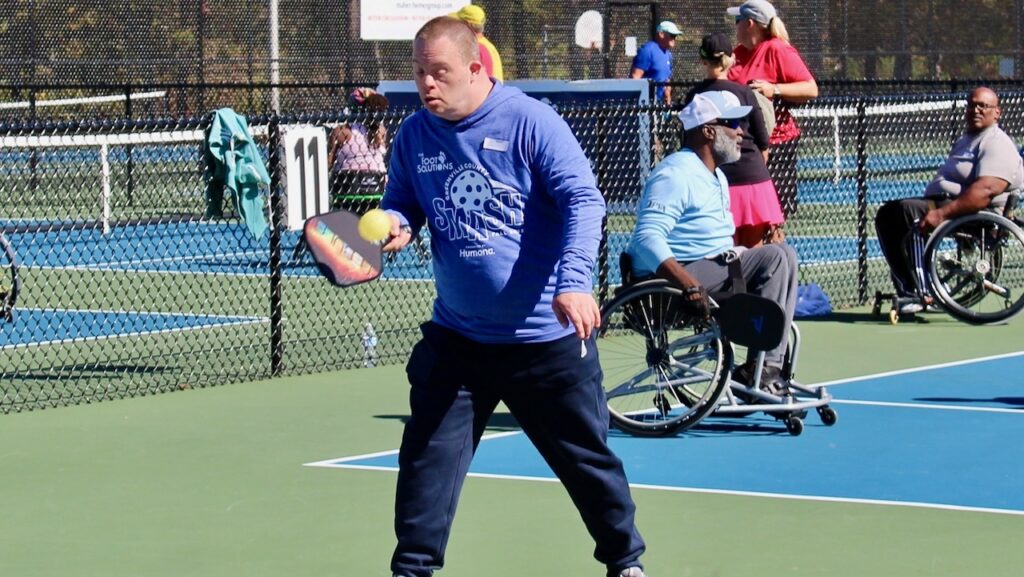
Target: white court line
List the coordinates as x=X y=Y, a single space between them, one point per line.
x=805 y=264
x=153 y=313
x=335 y=463
x=933 y=406
x=237 y=321
x=344 y=463
x=915 y=370
x=183 y=258
x=881 y=502
x=258 y=274
x=90 y=268
x=82 y=100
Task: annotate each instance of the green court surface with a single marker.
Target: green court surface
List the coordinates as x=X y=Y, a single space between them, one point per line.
x=211 y=483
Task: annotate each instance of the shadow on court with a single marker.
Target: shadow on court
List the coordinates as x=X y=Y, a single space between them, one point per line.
x=499 y=422
x=860 y=317
x=1011 y=402
x=89 y=372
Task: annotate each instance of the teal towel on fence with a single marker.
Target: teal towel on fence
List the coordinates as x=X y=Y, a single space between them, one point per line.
x=237 y=167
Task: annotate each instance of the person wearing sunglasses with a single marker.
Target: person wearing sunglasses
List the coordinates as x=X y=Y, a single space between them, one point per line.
x=769 y=64
x=981 y=171
x=752 y=197
x=684 y=229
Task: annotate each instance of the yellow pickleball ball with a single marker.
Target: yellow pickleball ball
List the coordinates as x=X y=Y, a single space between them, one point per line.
x=375 y=225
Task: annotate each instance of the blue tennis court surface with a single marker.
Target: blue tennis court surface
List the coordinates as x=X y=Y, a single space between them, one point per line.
x=940 y=437
x=226 y=248
x=845 y=191
x=48 y=326
x=830 y=249
x=810 y=250
x=874 y=162
x=186 y=247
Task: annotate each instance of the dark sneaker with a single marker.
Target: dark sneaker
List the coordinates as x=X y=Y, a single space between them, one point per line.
x=743 y=373
x=771 y=379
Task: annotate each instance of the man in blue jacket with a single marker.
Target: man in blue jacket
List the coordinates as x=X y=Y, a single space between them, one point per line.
x=515 y=223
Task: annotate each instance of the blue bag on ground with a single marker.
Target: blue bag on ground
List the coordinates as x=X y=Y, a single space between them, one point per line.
x=811 y=301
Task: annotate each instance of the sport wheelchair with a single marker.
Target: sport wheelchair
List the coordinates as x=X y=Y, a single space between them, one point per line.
x=665 y=369
x=972 y=267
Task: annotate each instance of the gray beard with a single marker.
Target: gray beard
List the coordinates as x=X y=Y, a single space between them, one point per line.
x=724 y=149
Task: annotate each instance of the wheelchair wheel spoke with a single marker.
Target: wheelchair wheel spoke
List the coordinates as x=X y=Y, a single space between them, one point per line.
x=977 y=268
x=662 y=371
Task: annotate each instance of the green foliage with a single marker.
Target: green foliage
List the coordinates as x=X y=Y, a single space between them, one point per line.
x=69 y=41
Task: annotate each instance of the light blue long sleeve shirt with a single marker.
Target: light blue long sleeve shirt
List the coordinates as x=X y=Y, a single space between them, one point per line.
x=683 y=214
x=513 y=210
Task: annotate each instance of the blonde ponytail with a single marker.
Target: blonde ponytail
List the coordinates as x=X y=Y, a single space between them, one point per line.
x=776 y=29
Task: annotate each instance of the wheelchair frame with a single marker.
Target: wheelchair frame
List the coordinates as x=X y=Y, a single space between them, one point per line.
x=666 y=370
x=961 y=264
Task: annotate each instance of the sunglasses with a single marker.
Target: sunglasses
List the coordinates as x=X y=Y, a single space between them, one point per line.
x=982 y=106
x=732 y=123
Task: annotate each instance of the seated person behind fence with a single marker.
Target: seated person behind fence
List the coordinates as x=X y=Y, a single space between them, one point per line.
x=684 y=229
x=356 y=149
x=982 y=168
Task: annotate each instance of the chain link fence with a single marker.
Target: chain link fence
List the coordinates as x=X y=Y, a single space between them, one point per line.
x=136 y=280
x=60 y=42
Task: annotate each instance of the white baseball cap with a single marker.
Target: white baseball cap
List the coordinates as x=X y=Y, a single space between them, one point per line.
x=709 y=106
x=669 y=27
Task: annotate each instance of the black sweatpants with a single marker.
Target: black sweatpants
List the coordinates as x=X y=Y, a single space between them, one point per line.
x=893 y=223
x=553 y=389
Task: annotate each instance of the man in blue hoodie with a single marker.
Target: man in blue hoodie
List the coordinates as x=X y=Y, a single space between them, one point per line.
x=515 y=222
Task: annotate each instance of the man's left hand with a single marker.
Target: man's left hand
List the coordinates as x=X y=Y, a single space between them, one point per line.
x=932 y=219
x=580 y=309
x=398 y=237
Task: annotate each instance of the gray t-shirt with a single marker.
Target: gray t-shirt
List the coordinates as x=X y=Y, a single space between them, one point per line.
x=987 y=153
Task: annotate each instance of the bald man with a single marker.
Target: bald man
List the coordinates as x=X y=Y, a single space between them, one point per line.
x=981 y=170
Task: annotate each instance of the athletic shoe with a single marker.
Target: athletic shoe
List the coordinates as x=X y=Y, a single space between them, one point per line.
x=771 y=379
x=913 y=305
x=632 y=572
x=911 y=308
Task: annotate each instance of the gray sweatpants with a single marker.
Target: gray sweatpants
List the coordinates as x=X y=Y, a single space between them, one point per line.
x=770 y=271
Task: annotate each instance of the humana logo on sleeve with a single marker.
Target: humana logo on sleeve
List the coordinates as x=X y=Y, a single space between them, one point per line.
x=473 y=207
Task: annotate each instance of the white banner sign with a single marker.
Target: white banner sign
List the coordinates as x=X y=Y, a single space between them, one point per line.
x=400 y=19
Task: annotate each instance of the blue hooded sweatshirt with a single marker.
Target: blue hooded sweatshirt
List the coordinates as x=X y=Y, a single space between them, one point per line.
x=513 y=211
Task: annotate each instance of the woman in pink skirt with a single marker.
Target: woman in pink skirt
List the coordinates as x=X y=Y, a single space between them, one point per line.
x=753 y=201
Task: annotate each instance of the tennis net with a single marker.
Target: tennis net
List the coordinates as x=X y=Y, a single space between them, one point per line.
x=83 y=180
x=902 y=137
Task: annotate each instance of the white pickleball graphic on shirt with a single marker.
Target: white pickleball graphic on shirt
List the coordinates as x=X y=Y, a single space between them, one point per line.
x=470 y=190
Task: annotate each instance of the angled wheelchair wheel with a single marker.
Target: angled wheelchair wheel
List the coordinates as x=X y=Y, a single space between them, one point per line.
x=976 y=268
x=663 y=369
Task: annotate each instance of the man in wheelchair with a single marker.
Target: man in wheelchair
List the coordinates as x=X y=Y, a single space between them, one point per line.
x=983 y=168
x=684 y=230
